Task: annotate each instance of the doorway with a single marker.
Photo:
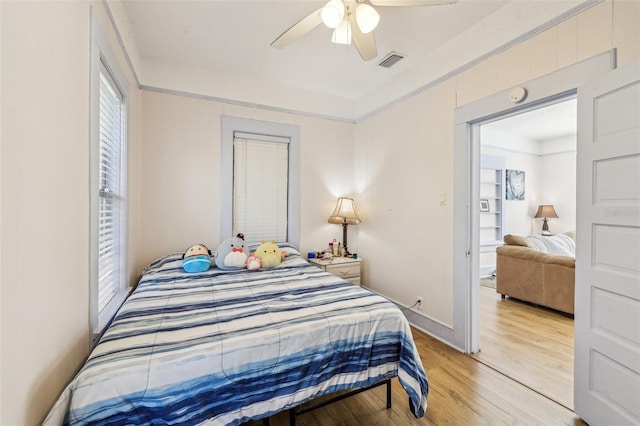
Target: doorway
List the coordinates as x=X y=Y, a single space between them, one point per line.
x=610 y=97
x=464 y=333
x=530 y=344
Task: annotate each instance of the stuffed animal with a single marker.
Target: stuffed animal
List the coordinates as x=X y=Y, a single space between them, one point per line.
x=254 y=263
x=232 y=253
x=269 y=254
x=197 y=258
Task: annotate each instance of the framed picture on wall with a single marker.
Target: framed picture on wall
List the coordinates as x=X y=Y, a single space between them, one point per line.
x=514 y=185
x=484 y=205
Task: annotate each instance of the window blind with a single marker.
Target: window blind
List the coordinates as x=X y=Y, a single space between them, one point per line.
x=260 y=187
x=110 y=195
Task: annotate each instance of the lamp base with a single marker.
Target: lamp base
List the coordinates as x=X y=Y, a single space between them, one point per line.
x=545 y=227
x=344 y=240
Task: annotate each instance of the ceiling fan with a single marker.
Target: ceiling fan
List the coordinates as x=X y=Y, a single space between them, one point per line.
x=350 y=20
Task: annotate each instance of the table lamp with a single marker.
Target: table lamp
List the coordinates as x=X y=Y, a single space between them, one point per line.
x=345 y=213
x=546 y=211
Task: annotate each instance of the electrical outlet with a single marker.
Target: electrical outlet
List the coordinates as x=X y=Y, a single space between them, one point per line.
x=419 y=303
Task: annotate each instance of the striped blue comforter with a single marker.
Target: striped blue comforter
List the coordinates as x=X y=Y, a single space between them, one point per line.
x=224 y=347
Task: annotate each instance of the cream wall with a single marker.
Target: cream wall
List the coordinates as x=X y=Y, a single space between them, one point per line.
x=396 y=164
x=403 y=161
x=558 y=183
x=45 y=200
x=404 y=155
x=181 y=172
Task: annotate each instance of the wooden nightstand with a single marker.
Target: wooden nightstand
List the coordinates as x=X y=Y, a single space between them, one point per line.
x=343 y=267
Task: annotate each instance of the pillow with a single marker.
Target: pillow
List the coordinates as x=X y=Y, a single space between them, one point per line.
x=196 y=258
x=269 y=253
x=232 y=253
x=517 y=240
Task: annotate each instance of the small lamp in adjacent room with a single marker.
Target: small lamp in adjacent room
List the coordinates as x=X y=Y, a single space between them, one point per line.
x=345 y=214
x=546 y=211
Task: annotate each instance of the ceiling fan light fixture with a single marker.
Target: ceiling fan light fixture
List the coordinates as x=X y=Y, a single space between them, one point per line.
x=332 y=13
x=342 y=33
x=367 y=18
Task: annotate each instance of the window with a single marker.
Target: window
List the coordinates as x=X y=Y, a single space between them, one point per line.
x=260 y=187
x=260 y=180
x=108 y=269
x=110 y=191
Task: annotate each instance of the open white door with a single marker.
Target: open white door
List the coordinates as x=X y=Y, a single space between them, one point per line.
x=607 y=302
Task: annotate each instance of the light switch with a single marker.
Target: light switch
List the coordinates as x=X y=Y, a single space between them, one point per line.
x=443 y=198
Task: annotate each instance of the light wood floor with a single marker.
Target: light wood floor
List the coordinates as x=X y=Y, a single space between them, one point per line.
x=462 y=391
x=530 y=344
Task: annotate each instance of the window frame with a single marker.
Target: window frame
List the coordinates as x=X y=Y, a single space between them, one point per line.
x=229 y=127
x=103 y=60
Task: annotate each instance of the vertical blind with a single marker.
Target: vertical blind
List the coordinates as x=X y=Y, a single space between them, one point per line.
x=260 y=187
x=110 y=196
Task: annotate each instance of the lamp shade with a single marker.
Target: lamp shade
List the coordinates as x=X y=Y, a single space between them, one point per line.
x=546 y=211
x=367 y=18
x=345 y=212
x=332 y=13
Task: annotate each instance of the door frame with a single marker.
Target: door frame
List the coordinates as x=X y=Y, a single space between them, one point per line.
x=467 y=119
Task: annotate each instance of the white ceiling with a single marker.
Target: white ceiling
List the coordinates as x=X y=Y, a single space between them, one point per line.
x=543 y=124
x=221 y=49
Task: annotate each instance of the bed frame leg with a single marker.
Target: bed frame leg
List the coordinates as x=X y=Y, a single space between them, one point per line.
x=292 y=417
x=388 y=394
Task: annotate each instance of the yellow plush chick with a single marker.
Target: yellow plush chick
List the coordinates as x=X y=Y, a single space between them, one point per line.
x=269 y=254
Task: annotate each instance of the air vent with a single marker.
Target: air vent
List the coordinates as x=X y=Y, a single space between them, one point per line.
x=391 y=59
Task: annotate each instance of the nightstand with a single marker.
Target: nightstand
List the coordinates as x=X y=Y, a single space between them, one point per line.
x=343 y=267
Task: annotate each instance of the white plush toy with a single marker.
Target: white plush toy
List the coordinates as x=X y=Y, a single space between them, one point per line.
x=232 y=253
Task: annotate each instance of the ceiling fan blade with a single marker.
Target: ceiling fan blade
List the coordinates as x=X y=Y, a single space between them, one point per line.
x=411 y=2
x=365 y=43
x=298 y=30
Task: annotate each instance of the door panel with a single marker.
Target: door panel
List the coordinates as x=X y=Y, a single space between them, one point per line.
x=607 y=311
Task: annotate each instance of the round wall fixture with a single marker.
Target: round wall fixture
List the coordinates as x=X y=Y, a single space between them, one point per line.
x=517 y=95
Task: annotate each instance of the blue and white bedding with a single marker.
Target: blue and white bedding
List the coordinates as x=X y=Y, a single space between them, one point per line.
x=225 y=347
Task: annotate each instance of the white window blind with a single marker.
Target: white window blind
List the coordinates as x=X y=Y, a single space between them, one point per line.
x=260 y=187
x=110 y=191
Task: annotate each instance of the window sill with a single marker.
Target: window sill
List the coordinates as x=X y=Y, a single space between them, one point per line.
x=107 y=315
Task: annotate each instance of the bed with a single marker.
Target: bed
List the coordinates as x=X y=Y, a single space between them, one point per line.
x=226 y=347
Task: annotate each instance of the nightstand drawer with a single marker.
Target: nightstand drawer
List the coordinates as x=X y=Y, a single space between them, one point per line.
x=354 y=280
x=343 y=267
x=344 y=271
